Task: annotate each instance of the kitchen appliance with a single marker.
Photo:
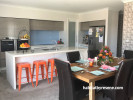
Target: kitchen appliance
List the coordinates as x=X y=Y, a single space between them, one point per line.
x=7 y=45
x=96 y=40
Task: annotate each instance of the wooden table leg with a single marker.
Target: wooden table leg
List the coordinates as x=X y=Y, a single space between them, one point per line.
x=91 y=91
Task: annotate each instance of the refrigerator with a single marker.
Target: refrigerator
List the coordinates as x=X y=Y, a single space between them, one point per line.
x=96 y=40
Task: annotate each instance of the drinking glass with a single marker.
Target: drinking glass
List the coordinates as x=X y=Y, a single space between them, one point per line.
x=95 y=64
x=86 y=65
x=90 y=63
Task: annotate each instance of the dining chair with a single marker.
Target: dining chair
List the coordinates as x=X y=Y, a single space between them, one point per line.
x=93 y=53
x=130 y=89
x=128 y=54
x=122 y=79
x=67 y=89
x=73 y=56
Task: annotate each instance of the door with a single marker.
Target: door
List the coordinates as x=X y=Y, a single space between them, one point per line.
x=71 y=34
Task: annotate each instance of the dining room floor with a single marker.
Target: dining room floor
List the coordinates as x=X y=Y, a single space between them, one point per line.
x=43 y=91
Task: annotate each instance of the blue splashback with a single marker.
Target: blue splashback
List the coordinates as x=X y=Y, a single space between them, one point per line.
x=43 y=37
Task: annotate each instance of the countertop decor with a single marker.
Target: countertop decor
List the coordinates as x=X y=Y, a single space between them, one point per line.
x=105 y=56
x=24 y=34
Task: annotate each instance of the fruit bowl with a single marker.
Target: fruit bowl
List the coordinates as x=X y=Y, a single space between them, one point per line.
x=24 y=47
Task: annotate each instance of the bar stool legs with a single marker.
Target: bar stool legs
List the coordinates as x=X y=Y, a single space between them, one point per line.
x=19 y=73
x=19 y=77
x=52 y=68
x=40 y=63
x=27 y=74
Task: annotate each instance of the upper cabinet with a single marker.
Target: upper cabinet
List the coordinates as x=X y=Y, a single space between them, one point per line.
x=84 y=26
x=46 y=25
x=21 y=24
x=10 y=27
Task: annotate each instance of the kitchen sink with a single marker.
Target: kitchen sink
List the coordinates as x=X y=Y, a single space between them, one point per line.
x=50 y=49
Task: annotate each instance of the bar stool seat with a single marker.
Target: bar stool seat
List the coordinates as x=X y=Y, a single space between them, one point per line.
x=19 y=72
x=40 y=63
x=53 y=68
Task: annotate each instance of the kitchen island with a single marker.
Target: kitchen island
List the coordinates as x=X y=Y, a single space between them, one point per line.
x=13 y=57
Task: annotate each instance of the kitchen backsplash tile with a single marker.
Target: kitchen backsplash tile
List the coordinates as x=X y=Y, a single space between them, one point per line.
x=44 y=37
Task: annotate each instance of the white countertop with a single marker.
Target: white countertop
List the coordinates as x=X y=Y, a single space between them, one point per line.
x=40 y=51
x=46 y=46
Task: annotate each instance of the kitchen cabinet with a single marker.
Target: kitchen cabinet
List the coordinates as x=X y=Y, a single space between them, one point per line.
x=46 y=25
x=6 y=27
x=10 y=27
x=2 y=60
x=97 y=23
x=58 y=25
x=20 y=24
x=84 y=26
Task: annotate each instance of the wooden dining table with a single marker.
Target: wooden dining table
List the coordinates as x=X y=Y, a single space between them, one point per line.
x=90 y=78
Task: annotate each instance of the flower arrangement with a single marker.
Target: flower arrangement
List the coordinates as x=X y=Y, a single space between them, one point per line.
x=105 y=55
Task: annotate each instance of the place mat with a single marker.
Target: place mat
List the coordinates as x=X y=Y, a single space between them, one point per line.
x=106 y=69
x=97 y=72
x=117 y=67
x=76 y=68
x=82 y=61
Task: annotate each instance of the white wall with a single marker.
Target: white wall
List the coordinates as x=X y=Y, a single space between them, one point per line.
x=111 y=25
x=112 y=31
x=109 y=16
x=125 y=1
x=94 y=15
x=34 y=13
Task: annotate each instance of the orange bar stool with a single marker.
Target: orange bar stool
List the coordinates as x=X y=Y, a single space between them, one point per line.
x=19 y=72
x=53 y=68
x=40 y=63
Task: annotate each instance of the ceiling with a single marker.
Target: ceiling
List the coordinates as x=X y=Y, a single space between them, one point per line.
x=76 y=6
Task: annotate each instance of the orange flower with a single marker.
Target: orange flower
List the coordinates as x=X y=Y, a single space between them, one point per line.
x=107 y=54
x=103 y=57
x=100 y=55
x=110 y=56
x=110 y=53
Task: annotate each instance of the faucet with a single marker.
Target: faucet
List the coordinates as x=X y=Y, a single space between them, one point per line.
x=54 y=41
x=55 y=44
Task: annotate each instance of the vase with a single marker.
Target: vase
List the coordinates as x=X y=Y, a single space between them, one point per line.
x=104 y=62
